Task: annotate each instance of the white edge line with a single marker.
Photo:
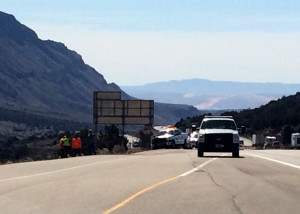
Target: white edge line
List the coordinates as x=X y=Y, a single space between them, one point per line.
x=63 y=170
x=276 y=161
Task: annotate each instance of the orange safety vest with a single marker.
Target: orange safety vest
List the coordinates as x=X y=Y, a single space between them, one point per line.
x=76 y=143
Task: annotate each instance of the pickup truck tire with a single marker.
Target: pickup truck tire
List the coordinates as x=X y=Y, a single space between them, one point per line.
x=236 y=152
x=200 y=151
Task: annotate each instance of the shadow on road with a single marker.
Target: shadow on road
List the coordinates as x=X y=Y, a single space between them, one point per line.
x=220 y=156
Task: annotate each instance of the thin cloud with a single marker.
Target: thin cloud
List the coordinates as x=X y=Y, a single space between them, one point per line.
x=136 y=58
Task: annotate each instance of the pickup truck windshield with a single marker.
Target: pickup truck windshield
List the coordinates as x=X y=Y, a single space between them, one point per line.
x=218 y=124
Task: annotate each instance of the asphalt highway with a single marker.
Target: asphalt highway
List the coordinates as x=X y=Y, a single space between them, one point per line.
x=157 y=181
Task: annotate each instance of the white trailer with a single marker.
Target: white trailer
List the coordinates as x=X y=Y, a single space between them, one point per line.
x=295 y=140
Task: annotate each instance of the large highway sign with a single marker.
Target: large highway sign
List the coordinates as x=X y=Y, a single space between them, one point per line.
x=110 y=109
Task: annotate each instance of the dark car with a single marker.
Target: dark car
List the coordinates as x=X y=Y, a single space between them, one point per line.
x=276 y=145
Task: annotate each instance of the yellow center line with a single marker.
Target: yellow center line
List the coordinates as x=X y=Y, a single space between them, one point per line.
x=155 y=185
x=137 y=194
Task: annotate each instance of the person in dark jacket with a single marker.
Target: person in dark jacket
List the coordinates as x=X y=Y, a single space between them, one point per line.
x=91 y=139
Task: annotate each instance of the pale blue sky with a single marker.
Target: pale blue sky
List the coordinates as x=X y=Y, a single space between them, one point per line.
x=133 y=42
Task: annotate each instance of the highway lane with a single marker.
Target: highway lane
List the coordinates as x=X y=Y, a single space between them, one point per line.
x=212 y=184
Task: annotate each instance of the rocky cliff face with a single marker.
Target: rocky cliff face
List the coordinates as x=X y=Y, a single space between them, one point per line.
x=47 y=79
x=44 y=76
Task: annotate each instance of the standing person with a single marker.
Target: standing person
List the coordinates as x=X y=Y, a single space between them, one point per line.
x=67 y=146
x=91 y=143
x=100 y=143
x=61 y=147
x=76 y=145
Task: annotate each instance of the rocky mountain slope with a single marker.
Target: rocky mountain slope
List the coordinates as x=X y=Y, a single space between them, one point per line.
x=46 y=79
x=44 y=76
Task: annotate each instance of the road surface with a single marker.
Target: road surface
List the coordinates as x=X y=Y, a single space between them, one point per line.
x=158 y=181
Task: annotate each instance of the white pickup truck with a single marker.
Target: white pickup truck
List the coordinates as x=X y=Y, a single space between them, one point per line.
x=172 y=137
x=218 y=134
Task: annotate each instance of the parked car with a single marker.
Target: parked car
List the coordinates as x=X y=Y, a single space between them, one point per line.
x=172 y=137
x=136 y=142
x=276 y=145
x=192 y=140
x=269 y=140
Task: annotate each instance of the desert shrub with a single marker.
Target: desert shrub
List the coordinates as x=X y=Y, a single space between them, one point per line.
x=111 y=137
x=20 y=151
x=6 y=151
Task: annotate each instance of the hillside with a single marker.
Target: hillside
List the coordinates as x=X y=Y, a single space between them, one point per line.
x=164 y=113
x=280 y=116
x=45 y=81
x=207 y=94
x=275 y=115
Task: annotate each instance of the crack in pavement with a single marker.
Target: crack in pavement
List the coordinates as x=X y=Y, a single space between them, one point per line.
x=194 y=162
x=224 y=188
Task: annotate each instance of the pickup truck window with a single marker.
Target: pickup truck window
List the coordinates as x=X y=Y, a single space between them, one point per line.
x=177 y=132
x=161 y=133
x=171 y=132
x=218 y=124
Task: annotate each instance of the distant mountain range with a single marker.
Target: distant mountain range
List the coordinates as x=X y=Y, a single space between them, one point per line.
x=46 y=79
x=207 y=94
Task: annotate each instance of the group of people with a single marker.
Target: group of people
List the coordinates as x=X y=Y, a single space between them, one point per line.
x=71 y=147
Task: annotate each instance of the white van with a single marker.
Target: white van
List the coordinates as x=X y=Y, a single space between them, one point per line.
x=295 y=140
